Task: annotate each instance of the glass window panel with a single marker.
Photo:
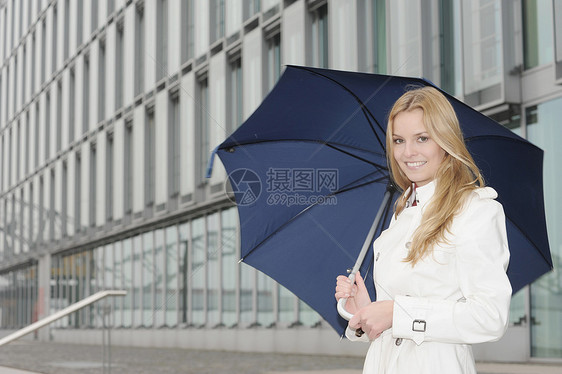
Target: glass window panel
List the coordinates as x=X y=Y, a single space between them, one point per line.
x=198 y=272
x=247 y=283
x=546 y=293
x=307 y=315
x=320 y=56
x=229 y=241
x=159 y=276
x=137 y=281
x=213 y=270
x=286 y=304
x=482 y=37
x=117 y=284
x=171 y=276
x=127 y=269
x=538 y=45
x=147 y=280
x=183 y=262
x=265 y=284
x=405 y=38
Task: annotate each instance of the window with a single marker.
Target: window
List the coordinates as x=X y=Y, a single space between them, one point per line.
x=54 y=38
x=213 y=270
x=27 y=150
x=17 y=150
x=229 y=239
x=160 y=281
x=86 y=95
x=94 y=14
x=139 y=50
x=64 y=199
x=128 y=158
x=273 y=60
x=71 y=106
x=537 y=33
x=119 y=71
x=43 y=50
x=30 y=217
x=216 y=12
x=78 y=193
x=79 y=22
x=320 y=56
x=66 y=29
x=251 y=7
x=33 y=62
x=187 y=30
x=109 y=177
x=36 y=136
x=150 y=157
x=162 y=39
x=93 y=185
x=482 y=45
x=52 y=208
x=101 y=81
x=203 y=128
x=171 y=295
x=41 y=213
x=543 y=130
x=174 y=144
x=48 y=127
x=198 y=304
x=58 y=134
x=236 y=94
x=24 y=74
x=148 y=298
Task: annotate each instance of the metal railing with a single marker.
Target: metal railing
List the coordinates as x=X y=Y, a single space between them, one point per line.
x=65 y=312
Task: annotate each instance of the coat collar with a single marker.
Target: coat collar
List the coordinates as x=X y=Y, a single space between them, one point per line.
x=422 y=194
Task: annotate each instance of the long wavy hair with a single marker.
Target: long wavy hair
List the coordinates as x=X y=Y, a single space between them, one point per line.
x=456 y=177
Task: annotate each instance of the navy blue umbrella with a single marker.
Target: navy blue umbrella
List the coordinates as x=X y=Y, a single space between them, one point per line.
x=308 y=172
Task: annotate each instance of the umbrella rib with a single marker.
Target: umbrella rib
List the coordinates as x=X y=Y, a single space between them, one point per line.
x=364 y=108
x=228 y=149
x=349 y=187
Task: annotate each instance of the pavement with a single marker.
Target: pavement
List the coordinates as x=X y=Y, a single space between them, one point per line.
x=33 y=357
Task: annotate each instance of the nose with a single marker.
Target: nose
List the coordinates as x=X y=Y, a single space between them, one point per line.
x=410 y=149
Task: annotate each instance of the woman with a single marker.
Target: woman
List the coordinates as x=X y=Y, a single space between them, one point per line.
x=440 y=267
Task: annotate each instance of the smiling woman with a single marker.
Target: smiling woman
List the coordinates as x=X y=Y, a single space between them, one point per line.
x=440 y=268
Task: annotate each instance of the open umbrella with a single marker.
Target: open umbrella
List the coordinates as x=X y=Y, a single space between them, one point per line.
x=309 y=174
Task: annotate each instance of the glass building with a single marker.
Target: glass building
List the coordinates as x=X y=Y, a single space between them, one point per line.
x=109 y=111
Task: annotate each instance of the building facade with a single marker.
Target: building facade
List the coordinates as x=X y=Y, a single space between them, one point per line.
x=109 y=111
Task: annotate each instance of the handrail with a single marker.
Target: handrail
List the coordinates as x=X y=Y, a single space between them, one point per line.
x=60 y=314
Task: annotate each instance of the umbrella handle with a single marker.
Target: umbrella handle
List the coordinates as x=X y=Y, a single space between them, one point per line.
x=342 y=311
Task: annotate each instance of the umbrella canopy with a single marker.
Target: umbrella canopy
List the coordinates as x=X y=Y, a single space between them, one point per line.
x=308 y=171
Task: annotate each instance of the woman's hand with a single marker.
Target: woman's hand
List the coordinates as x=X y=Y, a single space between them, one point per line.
x=374 y=318
x=356 y=294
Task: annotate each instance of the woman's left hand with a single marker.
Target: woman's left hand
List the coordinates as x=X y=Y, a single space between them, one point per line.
x=374 y=318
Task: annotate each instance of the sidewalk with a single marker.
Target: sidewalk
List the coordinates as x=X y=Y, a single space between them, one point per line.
x=32 y=357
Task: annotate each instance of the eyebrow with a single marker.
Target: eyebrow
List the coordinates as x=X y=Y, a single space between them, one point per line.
x=418 y=134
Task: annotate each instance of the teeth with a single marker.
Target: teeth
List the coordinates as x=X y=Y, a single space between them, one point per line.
x=415 y=164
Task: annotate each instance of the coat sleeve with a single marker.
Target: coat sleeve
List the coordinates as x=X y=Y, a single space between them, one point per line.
x=481 y=314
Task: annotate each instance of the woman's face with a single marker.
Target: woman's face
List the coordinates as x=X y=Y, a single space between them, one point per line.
x=418 y=156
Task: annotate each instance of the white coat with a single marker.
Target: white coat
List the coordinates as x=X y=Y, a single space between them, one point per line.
x=455 y=297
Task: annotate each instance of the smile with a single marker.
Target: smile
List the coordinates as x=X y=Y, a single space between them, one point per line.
x=415 y=164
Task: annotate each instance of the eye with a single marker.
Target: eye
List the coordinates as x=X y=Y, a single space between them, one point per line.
x=423 y=139
x=398 y=141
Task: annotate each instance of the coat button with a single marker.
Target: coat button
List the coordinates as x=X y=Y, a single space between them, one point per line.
x=398 y=341
x=408 y=245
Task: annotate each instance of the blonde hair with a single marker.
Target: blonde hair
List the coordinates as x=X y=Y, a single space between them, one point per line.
x=456 y=177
